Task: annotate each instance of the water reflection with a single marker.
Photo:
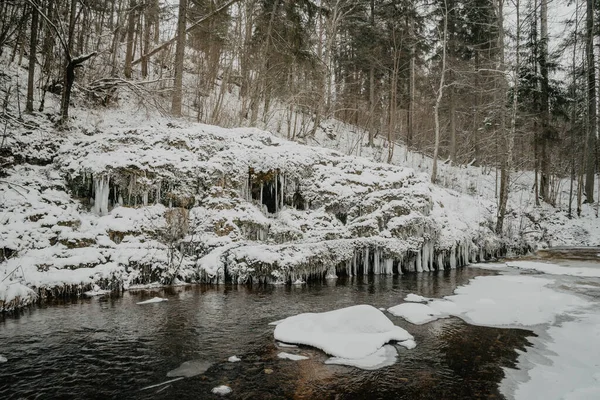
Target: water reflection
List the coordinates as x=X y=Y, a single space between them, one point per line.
x=112 y=347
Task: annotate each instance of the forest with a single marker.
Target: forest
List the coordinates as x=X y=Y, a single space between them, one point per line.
x=511 y=85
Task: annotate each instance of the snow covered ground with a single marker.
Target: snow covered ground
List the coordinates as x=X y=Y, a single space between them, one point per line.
x=561 y=306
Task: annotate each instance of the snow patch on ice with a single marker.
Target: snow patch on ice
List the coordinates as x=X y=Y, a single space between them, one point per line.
x=554 y=269
x=289 y=356
x=353 y=332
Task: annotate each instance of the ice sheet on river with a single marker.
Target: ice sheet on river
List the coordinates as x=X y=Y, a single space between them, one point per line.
x=349 y=333
x=554 y=269
x=190 y=368
x=153 y=300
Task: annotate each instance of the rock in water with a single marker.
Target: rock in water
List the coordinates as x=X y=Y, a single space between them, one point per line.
x=190 y=368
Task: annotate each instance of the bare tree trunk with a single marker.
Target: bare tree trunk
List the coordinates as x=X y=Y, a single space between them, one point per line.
x=545 y=110
x=590 y=169
x=371 y=126
x=452 y=126
x=131 y=13
x=32 y=59
x=510 y=135
x=436 y=108
x=179 y=55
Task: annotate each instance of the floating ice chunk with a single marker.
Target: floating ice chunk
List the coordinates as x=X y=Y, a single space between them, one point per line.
x=293 y=357
x=409 y=344
x=190 y=368
x=234 y=359
x=554 y=269
x=415 y=298
x=383 y=357
x=96 y=291
x=3 y=359
x=280 y=344
x=153 y=300
x=415 y=313
x=299 y=282
x=352 y=332
x=221 y=390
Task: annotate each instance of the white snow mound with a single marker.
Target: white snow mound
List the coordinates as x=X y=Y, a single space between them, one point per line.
x=234 y=359
x=353 y=332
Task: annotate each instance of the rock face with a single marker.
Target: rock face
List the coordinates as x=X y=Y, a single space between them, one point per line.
x=206 y=204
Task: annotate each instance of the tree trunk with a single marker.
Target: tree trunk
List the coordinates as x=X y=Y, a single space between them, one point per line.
x=545 y=110
x=32 y=59
x=590 y=169
x=130 y=37
x=436 y=108
x=179 y=54
x=371 y=126
x=510 y=135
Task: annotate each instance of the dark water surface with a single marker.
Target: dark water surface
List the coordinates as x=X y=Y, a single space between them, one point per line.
x=112 y=348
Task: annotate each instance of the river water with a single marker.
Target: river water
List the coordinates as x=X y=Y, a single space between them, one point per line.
x=112 y=347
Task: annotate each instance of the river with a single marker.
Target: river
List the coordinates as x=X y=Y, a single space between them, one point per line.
x=111 y=347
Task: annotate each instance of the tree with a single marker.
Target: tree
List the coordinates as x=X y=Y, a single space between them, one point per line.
x=32 y=59
x=179 y=56
x=591 y=101
x=440 y=94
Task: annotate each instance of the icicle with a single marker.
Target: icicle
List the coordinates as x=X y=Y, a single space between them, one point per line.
x=366 y=261
x=418 y=265
x=453 y=257
x=101 y=193
x=389 y=266
x=276 y=194
x=157 y=198
x=261 y=194
x=145 y=198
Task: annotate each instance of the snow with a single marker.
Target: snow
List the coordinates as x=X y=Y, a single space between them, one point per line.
x=568 y=367
x=233 y=359
x=289 y=356
x=190 y=368
x=221 y=390
x=415 y=298
x=3 y=359
x=153 y=300
x=554 y=269
x=353 y=332
x=383 y=357
x=417 y=314
x=511 y=300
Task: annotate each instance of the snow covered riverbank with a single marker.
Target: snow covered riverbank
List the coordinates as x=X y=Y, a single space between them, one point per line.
x=197 y=203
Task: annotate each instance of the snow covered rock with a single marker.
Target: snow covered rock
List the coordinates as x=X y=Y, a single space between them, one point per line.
x=350 y=333
x=233 y=359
